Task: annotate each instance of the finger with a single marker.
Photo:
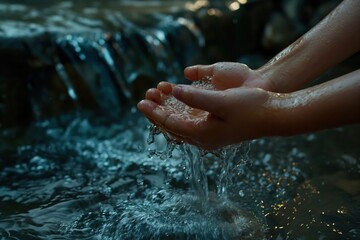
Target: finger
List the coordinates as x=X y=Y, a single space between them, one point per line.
x=146 y=106
x=199 y=72
x=207 y=100
x=165 y=87
x=181 y=128
x=154 y=95
x=158 y=114
x=173 y=123
x=178 y=138
x=195 y=132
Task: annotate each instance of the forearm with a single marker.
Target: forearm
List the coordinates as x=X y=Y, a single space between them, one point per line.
x=331 y=104
x=331 y=41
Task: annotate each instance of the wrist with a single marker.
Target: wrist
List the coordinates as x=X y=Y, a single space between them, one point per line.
x=271 y=77
x=285 y=111
x=285 y=72
x=292 y=68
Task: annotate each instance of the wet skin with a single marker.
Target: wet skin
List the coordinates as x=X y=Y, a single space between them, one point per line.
x=236 y=114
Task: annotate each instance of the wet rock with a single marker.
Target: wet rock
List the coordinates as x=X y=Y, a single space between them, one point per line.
x=292 y=9
x=323 y=10
x=279 y=32
x=229 y=34
x=88 y=62
x=254 y=61
x=12 y=111
x=139 y=84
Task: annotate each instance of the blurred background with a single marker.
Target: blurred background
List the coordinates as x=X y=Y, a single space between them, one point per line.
x=63 y=56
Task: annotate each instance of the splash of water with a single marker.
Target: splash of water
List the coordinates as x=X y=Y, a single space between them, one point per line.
x=170 y=215
x=194 y=156
x=195 y=159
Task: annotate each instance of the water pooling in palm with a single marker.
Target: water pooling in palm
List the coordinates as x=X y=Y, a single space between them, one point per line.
x=192 y=154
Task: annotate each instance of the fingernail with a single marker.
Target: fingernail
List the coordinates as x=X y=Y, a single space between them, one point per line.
x=141 y=104
x=144 y=105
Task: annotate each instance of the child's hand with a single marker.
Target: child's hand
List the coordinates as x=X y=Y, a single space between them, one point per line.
x=227 y=117
x=215 y=118
x=225 y=75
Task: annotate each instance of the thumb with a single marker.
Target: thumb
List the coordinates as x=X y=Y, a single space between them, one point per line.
x=207 y=100
x=198 y=72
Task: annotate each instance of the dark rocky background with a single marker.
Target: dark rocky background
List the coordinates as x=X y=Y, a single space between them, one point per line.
x=58 y=57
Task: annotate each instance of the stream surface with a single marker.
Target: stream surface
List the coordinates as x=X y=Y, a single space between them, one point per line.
x=80 y=177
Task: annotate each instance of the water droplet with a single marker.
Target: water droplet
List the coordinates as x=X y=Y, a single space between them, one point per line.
x=241 y=193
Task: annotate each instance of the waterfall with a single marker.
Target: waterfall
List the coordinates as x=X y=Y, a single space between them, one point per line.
x=103 y=71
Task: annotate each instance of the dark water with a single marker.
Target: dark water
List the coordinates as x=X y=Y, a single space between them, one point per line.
x=71 y=171
x=92 y=180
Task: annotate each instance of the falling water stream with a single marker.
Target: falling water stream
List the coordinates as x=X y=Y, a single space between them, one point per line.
x=195 y=156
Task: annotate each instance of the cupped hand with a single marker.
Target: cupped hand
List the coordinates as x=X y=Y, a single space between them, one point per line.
x=218 y=118
x=225 y=75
